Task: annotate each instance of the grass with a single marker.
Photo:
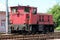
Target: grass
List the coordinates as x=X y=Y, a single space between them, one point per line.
x=58 y=28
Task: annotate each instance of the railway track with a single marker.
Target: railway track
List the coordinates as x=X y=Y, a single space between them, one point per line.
x=54 y=35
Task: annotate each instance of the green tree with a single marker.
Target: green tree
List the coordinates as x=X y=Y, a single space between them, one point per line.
x=55 y=11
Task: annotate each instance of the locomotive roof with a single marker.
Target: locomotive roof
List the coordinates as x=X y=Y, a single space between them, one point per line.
x=23 y=6
x=44 y=14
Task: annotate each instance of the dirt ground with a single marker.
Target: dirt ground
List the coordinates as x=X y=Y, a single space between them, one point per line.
x=53 y=39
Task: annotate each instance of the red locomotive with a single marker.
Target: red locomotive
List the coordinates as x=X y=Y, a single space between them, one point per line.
x=25 y=19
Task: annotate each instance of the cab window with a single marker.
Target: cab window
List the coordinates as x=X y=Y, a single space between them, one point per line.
x=27 y=9
x=34 y=11
x=14 y=10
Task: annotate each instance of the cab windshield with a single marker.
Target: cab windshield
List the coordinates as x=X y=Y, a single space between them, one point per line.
x=34 y=11
x=14 y=10
x=27 y=9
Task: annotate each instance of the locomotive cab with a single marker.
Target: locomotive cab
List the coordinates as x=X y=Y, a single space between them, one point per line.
x=21 y=17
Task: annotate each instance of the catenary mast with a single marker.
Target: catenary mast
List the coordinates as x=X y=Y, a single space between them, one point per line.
x=7 y=17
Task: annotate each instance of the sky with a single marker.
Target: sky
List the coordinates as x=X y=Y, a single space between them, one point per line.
x=42 y=5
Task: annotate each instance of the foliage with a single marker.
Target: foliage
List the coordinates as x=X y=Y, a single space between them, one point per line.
x=55 y=11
